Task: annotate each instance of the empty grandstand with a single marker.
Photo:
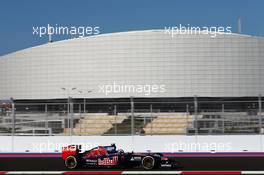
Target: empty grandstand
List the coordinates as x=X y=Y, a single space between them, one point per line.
x=158 y=123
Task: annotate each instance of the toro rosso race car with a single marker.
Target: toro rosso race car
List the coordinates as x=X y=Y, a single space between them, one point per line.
x=110 y=157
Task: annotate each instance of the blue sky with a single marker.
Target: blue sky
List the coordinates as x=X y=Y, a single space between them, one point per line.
x=17 y=17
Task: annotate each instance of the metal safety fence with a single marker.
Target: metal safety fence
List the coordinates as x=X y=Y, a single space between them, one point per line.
x=135 y=117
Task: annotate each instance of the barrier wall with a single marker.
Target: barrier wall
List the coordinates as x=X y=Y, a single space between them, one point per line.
x=221 y=143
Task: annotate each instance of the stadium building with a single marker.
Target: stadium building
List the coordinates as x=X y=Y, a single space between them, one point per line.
x=228 y=68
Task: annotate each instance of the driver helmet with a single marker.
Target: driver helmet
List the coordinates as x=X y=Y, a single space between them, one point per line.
x=121 y=151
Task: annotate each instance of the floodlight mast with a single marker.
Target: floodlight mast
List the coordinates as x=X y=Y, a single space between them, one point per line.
x=50 y=35
x=239 y=29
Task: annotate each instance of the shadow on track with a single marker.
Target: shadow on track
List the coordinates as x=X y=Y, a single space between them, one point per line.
x=187 y=163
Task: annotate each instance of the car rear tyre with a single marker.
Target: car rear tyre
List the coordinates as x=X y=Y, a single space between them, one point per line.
x=71 y=162
x=148 y=162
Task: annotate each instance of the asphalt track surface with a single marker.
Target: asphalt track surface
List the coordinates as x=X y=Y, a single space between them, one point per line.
x=187 y=164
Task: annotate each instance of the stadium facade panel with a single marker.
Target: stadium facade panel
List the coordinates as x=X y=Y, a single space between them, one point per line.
x=228 y=65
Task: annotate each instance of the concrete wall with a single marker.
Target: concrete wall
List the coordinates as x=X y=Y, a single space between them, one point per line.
x=225 y=143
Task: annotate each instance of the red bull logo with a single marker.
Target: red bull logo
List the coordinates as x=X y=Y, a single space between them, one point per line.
x=108 y=161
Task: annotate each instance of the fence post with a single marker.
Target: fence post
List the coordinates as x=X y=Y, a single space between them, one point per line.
x=195 y=114
x=13 y=119
x=151 y=118
x=259 y=113
x=71 y=117
x=115 y=110
x=80 y=110
x=132 y=115
x=84 y=105
x=68 y=115
x=223 y=118
x=13 y=124
x=46 y=117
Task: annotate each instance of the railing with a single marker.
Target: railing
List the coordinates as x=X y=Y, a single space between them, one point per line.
x=141 y=118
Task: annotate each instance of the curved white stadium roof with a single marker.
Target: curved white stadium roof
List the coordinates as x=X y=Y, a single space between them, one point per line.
x=228 y=65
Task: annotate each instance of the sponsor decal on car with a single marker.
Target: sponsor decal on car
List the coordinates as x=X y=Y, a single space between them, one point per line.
x=135 y=158
x=108 y=161
x=90 y=160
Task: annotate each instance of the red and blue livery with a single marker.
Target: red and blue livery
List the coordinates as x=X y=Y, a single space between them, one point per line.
x=110 y=157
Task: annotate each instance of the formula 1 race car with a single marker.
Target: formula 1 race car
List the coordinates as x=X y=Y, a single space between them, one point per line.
x=109 y=157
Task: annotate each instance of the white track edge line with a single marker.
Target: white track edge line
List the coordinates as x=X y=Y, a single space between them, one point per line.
x=151 y=172
x=252 y=172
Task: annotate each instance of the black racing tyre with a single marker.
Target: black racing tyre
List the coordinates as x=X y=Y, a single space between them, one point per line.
x=148 y=162
x=71 y=162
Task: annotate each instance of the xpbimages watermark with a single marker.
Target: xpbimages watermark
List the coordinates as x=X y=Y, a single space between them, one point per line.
x=213 y=31
x=195 y=146
x=144 y=89
x=49 y=146
x=77 y=31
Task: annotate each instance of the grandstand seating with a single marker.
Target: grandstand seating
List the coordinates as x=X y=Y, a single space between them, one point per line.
x=177 y=123
x=32 y=123
x=124 y=128
x=144 y=123
x=95 y=124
